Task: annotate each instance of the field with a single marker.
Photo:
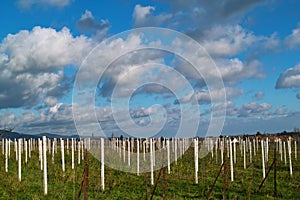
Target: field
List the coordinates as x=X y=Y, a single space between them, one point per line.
x=179 y=184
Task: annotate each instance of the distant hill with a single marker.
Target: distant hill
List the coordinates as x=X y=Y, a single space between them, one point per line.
x=15 y=135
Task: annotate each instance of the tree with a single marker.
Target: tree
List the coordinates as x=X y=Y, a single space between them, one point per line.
x=258 y=134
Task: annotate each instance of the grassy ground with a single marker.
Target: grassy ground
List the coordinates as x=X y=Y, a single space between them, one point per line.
x=177 y=185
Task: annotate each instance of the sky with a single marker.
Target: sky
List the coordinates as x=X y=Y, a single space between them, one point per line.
x=150 y=68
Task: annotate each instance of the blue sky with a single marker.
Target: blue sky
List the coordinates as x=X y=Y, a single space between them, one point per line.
x=50 y=67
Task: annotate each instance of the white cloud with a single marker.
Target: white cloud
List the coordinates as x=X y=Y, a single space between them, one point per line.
x=26 y=4
x=50 y=101
x=32 y=63
x=253 y=108
x=293 y=39
x=259 y=95
x=43 y=49
x=272 y=43
x=87 y=23
x=206 y=96
x=143 y=16
x=227 y=40
x=289 y=78
x=281 y=111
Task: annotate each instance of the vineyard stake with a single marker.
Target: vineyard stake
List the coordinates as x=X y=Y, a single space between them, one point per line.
x=45 y=165
x=295 y=149
x=124 y=149
x=151 y=162
x=72 y=152
x=16 y=148
x=62 y=154
x=168 y=155
x=196 y=159
x=263 y=159
x=19 y=158
x=138 y=157
x=78 y=151
x=6 y=154
x=290 y=156
x=244 y=145
x=284 y=152
x=102 y=163
x=26 y=151
x=53 y=151
x=128 y=151
x=9 y=141
x=231 y=161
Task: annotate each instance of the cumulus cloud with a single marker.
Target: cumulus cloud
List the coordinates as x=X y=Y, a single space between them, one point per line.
x=289 y=78
x=88 y=23
x=281 y=111
x=253 y=108
x=26 y=4
x=293 y=39
x=227 y=40
x=259 y=95
x=205 y=96
x=195 y=15
x=143 y=16
x=32 y=65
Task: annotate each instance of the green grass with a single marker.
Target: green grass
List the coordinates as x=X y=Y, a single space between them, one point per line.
x=120 y=185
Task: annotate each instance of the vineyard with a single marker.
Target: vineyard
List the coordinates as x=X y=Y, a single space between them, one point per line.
x=214 y=168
